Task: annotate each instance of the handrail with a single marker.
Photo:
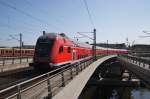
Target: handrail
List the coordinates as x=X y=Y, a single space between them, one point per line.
x=48 y=77
x=14 y=60
x=7 y=61
x=1 y=91
x=135 y=59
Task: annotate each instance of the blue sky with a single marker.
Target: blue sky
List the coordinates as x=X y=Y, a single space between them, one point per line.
x=115 y=20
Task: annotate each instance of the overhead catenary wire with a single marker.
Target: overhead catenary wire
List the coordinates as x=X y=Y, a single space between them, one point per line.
x=31 y=5
x=42 y=11
x=89 y=14
x=30 y=30
x=23 y=25
x=29 y=15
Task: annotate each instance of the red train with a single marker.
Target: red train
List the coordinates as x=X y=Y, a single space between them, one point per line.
x=56 y=49
x=15 y=52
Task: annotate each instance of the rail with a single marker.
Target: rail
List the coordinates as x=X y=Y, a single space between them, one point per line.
x=142 y=62
x=13 y=60
x=52 y=81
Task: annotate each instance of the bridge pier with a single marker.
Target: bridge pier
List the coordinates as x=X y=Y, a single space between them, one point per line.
x=139 y=70
x=112 y=74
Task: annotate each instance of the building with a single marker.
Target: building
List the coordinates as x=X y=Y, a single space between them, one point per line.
x=116 y=46
x=140 y=47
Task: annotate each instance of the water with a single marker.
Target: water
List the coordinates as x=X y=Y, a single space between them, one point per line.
x=115 y=93
x=108 y=90
x=140 y=93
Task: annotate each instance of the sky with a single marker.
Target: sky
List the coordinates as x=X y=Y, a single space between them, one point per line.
x=114 y=20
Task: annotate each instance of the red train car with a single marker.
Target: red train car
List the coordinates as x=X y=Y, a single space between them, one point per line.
x=15 y=52
x=56 y=49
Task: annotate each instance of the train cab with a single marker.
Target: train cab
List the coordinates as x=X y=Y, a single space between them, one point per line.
x=52 y=50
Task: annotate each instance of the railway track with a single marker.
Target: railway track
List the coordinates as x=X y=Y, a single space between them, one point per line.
x=10 y=72
x=59 y=77
x=16 y=76
x=24 y=83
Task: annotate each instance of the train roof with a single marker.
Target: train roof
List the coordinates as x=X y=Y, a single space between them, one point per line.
x=85 y=45
x=75 y=42
x=48 y=35
x=54 y=35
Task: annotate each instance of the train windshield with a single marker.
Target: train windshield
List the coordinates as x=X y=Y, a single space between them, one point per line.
x=43 y=47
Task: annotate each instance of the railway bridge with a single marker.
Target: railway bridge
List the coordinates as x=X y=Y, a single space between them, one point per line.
x=69 y=82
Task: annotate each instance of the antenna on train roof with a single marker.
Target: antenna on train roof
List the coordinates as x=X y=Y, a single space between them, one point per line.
x=44 y=32
x=63 y=34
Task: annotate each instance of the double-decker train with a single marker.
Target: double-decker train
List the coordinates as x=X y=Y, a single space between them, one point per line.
x=53 y=50
x=16 y=52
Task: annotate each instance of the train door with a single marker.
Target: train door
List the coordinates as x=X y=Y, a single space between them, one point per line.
x=73 y=55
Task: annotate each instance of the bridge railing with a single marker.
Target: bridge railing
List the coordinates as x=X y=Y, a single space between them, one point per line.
x=51 y=81
x=142 y=62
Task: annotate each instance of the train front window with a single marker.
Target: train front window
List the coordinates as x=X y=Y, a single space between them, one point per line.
x=61 y=49
x=43 y=47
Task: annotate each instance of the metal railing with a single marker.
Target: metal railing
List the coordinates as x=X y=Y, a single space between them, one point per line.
x=14 y=60
x=5 y=61
x=142 y=62
x=50 y=82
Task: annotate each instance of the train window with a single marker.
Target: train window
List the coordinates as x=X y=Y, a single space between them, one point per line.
x=2 y=51
x=6 y=51
x=44 y=47
x=10 y=51
x=61 y=49
x=69 y=50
